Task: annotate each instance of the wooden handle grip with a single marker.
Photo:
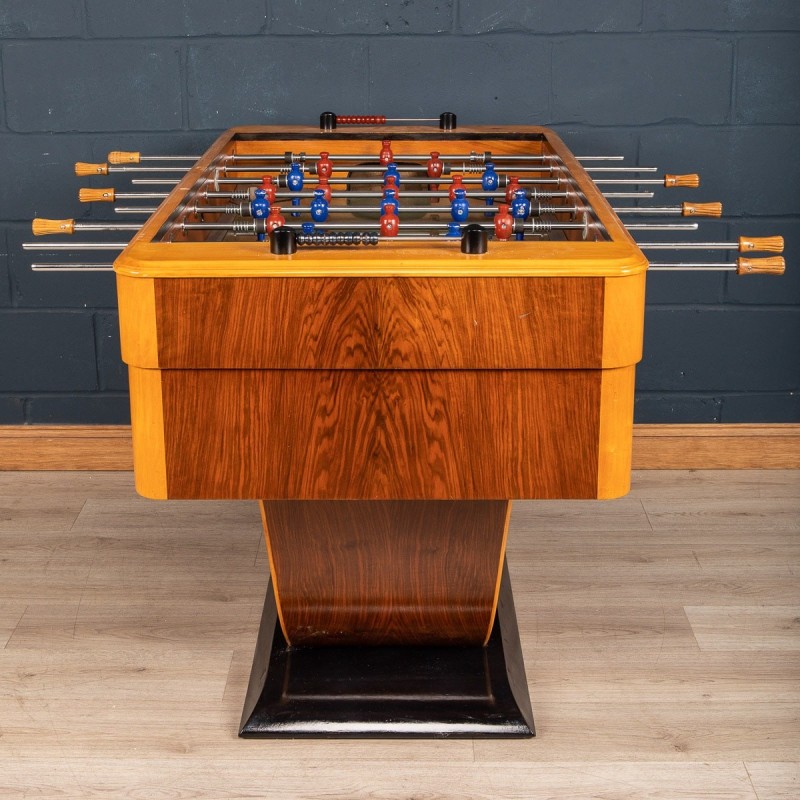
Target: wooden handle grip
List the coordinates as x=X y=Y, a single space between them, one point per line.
x=45 y=227
x=774 y=265
x=702 y=209
x=82 y=169
x=691 y=181
x=767 y=244
x=123 y=157
x=96 y=195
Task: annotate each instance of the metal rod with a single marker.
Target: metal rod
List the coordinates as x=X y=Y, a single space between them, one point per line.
x=144 y=210
x=675 y=226
x=120 y=168
x=379 y=179
x=106 y=226
x=169 y=158
x=249 y=227
x=348 y=209
x=72 y=267
x=475 y=157
x=154 y=182
x=140 y=195
x=450 y=169
x=687 y=246
x=696 y=267
x=650 y=210
x=74 y=245
x=630 y=182
x=621 y=169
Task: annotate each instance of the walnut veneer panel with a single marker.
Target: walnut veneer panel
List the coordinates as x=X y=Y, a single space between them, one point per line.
x=380 y=323
x=385 y=572
x=395 y=434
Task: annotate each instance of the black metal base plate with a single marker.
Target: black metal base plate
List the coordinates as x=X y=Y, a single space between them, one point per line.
x=394 y=692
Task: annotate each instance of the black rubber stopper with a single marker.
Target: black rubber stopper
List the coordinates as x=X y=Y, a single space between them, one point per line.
x=327 y=121
x=283 y=241
x=474 y=240
x=447 y=121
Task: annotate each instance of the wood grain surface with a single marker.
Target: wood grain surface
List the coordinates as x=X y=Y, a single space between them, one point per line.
x=391 y=434
x=385 y=572
x=387 y=323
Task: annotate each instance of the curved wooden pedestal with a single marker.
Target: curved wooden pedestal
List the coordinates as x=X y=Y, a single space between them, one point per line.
x=389 y=691
x=387 y=618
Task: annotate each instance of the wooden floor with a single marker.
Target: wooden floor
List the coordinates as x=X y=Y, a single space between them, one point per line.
x=661 y=635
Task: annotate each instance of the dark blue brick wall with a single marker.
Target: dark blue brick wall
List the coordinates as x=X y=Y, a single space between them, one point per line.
x=687 y=85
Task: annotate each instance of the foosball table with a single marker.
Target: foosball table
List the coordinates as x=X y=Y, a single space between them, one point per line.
x=385 y=338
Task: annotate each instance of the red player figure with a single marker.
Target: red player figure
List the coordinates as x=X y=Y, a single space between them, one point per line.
x=458 y=183
x=503 y=223
x=435 y=169
x=391 y=183
x=325 y=186
x=390 y=223
x=324 y=166
x=386 y=156
x=275 y=220
x=513 y=186
x=269 y=188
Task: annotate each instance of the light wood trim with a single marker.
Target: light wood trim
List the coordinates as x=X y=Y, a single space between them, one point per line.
x=273 y=572
x=764 y=446
x=137 y=320
x=149 y=447
x=65 y=447
x=252 y=259
x=108 y=447
x=499 y=580
x=616 y=419
x=623 y=320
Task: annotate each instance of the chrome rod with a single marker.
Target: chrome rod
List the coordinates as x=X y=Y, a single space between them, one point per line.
x=697 y=266
x=106 y=226
x=74 y=245
x=675 y=226
x=169 y=158
x=144 y=210
x=72 y=267
x=154 y=182
x=621 y=169
x=650 y=210
x=687 y=246
x=449 y=169
x=123 y=168
x=140 y=195
x=379 y=179
x=630 y=182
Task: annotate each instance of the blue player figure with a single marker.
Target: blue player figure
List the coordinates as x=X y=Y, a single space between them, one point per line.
x=259 y=209
x=294 y=182
x=319 y=206
x=459 y=207
x=490 y=180
x=389 y=199
x=520 y=209
x=392 y=171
